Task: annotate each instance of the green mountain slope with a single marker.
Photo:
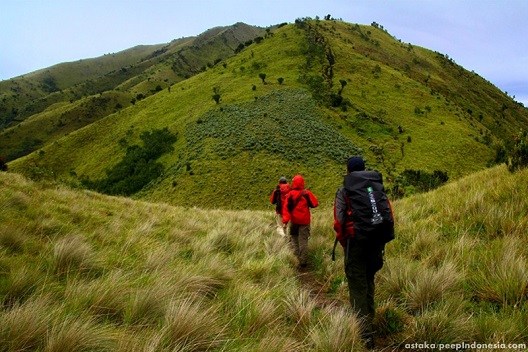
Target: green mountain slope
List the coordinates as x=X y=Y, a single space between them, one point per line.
x=132 y=74
x=299 y=101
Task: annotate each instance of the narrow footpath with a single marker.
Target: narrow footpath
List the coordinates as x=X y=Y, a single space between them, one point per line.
x=318 y=290
x=319 y=293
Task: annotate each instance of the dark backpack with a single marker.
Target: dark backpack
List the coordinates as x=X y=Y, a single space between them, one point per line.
x=369 y=206
x=277 y=200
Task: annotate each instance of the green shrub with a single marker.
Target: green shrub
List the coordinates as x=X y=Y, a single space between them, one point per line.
x=411 y=181
x=138 y=167
x=298 y=132
x=518 y=155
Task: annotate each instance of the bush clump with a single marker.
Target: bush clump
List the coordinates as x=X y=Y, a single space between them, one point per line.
x=138 y=167
x=518 y=156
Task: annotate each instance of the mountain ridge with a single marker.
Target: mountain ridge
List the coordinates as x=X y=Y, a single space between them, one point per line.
x=405 y=107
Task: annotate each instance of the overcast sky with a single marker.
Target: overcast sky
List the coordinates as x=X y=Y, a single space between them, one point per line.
x=485 y=36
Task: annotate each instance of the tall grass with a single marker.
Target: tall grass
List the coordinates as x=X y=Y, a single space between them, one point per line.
x=457 y=270
x=43 y=325
x=142 y=276
x=337 y=329
x=106 y=273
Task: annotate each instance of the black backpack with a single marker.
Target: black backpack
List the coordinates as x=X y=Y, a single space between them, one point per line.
x=277 y=200
x=369 y=206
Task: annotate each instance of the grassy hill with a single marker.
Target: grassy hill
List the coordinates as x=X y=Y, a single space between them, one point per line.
x=300 y=100
x=112 y=274
x=132 y=74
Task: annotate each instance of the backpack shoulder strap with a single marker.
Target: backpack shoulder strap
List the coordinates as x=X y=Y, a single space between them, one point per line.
x=292 y=204
x=303 y=193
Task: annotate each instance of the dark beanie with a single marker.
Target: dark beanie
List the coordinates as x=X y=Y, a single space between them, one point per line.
x=355 y=163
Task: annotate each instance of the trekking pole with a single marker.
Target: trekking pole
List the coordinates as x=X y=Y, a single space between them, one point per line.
x=347 y=248
x=333 y=250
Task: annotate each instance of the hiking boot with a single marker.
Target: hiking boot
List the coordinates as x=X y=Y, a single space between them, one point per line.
x=369 y=343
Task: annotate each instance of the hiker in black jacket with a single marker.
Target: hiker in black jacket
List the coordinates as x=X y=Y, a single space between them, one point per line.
x=363 y=240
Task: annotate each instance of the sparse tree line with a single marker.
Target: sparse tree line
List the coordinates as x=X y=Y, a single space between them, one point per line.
x=216 y=90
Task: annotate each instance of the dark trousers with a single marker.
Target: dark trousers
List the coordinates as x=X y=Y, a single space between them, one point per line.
x=362 y=261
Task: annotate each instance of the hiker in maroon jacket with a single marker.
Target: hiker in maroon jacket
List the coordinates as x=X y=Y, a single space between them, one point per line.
x=296 y=210
x=277 y=197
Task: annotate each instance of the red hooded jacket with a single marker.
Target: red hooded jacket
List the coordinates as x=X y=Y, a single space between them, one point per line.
x=300 y=214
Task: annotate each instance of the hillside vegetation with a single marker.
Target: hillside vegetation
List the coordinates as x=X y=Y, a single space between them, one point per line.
x=300 y=99
x=75 y=94
x=112 y=274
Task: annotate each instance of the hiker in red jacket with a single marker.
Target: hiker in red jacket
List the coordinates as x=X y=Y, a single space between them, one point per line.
x=296 y=210
x=277 y=197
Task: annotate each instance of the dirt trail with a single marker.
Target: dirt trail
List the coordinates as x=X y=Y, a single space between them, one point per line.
x=319 y=293
x=318 y=290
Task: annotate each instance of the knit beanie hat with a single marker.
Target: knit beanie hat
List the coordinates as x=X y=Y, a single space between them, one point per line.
x=355 y=163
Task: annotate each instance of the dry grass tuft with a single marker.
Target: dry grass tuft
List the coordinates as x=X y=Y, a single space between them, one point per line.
x=300 y=309
x=336 y=330
x=72 y=255
x=428 y=286
x=13 y=236
x=104 y=298
x=147 y=306
x=390 y=319
x=191 y=326
x=503 y=276
x=76 y=334
x=20 y=283
x=447 y=323
x=24 y=327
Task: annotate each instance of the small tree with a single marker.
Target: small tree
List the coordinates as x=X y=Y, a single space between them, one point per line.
x=280 y=80
x=263 y=77
x=216 y=95
x=239 y=48
x=518 y=156
x=343 y=84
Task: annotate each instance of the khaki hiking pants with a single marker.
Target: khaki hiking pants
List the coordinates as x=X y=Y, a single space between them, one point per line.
x=299 y=235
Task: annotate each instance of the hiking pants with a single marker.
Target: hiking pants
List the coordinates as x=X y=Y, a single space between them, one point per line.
x=299 y=235
x=362 y=261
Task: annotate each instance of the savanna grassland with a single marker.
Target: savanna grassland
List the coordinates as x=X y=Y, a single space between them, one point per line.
x=89 y=272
